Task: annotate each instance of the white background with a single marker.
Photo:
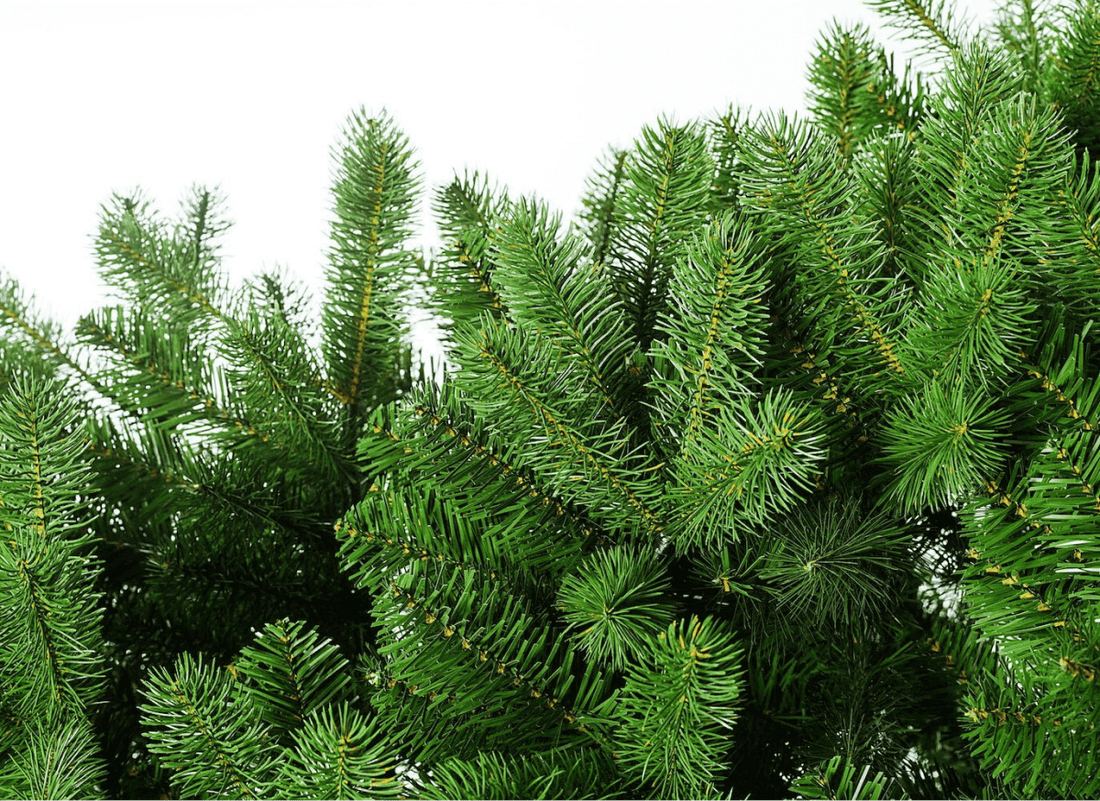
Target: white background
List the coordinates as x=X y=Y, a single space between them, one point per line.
x=102 y=97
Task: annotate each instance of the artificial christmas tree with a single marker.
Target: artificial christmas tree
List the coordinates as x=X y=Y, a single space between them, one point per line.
x=775 y=474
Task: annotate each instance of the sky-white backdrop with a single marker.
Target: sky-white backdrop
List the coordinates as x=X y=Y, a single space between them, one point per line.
x=99 y=97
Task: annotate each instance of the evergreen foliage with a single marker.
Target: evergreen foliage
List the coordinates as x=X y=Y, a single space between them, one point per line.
x=776 y=474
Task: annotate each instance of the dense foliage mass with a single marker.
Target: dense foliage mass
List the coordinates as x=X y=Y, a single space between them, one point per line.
x=776 y=473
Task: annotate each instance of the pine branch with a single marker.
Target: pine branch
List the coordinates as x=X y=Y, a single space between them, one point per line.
x=931 y=24
x=667 y=193
x=601 y=202
x=467 y=211
x=375 y=195
x=50 y=641
x=781 y=477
